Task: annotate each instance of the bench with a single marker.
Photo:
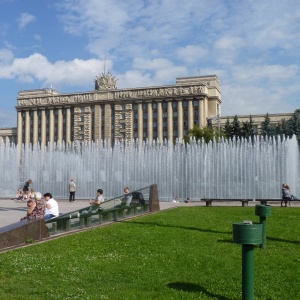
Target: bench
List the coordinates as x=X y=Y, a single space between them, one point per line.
x=209 y=201
x=106 y=211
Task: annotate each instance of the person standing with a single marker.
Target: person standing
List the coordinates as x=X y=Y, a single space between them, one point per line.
x=51 y=210
x=72 y=190
x=26 y=185
x=286 y=195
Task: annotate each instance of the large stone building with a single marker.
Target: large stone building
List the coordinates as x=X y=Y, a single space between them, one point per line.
x=108 y=113
x=159 y=112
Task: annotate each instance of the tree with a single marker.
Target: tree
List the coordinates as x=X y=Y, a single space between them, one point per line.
x=247 y=129
x=284 y=129
x=227 y=130
x=236 y=127
x=294 y=124
x=267 y=129
x=208 y=134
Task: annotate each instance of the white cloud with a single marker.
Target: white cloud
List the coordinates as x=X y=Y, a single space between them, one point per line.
x=116 y=26
x=261 y=73
x=192 y=53
x=37 y=68
x=25 y=19
x=154 y=64
x=247 y=99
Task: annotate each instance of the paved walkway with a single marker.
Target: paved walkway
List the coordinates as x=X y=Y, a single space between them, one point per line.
x=12 y=211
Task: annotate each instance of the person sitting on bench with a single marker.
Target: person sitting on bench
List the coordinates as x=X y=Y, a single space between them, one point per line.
x=127 y=197
x=99 y=198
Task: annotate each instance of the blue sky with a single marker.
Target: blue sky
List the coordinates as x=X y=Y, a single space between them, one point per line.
x=252 y=46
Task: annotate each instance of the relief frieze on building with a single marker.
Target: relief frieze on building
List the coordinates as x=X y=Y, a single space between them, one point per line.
x=65 y=99
x=120 y=94
x=160 y=92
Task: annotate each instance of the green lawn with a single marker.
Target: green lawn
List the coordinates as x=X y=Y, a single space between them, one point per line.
x=183 y=253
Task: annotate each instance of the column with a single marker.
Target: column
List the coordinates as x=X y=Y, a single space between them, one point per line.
x=204 y=112
x=200 y=110
x=43 y=128
x=27 y=127
x=35 y=127
x=150 y=122
x=107 y=123
x=170 y=121
x=51 y=126
x=68 y=125
x=190 y=114
x=180 y=119
x=140 y=122
x=97 y=122
x=159 y=122
x=60 y=125
x=20 y=129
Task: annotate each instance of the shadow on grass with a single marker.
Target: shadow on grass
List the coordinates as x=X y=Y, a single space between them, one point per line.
x=282 y=240
x=181 y=227
x=194 y=288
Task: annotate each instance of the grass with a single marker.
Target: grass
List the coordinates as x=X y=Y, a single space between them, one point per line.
x=184 y=253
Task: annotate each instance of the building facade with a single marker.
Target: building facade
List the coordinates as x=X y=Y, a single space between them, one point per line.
x=257 y=119
x=108 y=113
x=8 y=135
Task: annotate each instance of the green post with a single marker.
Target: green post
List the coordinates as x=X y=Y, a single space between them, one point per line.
x=262 y=220
x=247 y=272
x=247 y=234
x=54 y=227
x=68 y=224
x=263 y=211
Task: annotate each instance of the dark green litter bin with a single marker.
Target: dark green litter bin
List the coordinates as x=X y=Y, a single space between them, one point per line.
x=247 y=234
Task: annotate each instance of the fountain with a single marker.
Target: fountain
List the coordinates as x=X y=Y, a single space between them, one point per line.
x=228 y=169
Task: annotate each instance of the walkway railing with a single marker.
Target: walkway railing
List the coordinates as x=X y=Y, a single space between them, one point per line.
x=141 y=201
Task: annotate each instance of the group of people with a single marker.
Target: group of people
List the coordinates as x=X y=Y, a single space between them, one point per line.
x=287 y=196
x=47 y=208
x=39 y=209
x=187 y=200
x=25 y=194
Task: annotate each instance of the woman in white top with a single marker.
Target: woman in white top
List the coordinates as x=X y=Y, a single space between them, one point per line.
x=99 y=198
x=51 y=210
